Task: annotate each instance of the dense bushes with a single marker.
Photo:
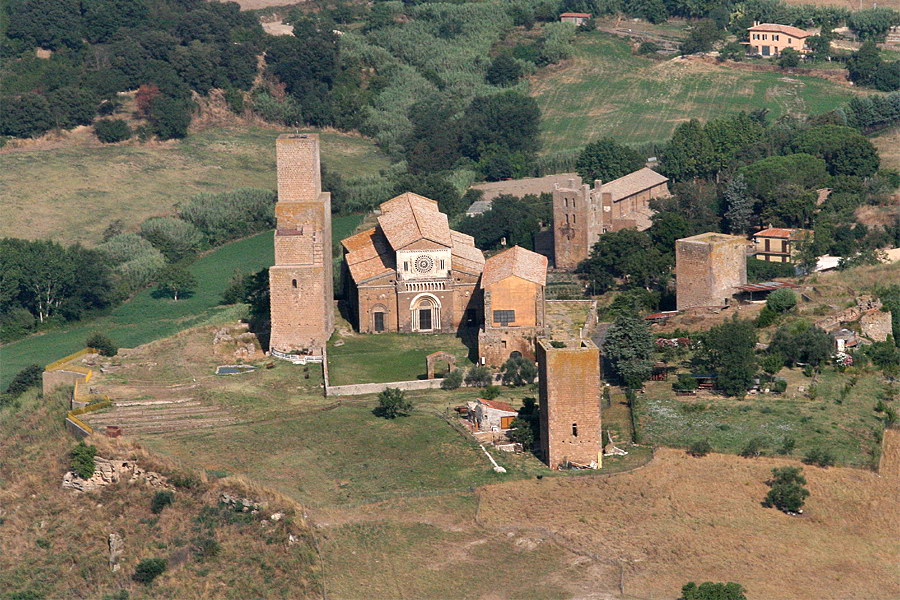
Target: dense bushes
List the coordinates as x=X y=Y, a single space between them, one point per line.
x=110 y=131
x=102 y=344
x=134 y=260
x=149 y=569
x=83 y=460
x=230 y=215
x=28 y=377
x=175 y=238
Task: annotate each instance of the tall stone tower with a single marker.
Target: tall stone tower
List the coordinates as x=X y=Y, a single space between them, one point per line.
x=574 y=229
x=300 y=283
x=708 y=267
x=569 y=393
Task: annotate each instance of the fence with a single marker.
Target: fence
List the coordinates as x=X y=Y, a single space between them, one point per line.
x=62 y=372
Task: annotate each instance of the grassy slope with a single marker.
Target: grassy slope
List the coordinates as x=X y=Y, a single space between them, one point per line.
x=888 y=144
x=72 y=193
x=605 y=90
x=145 y=318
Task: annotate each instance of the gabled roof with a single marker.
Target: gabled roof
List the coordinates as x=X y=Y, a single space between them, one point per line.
x=518 y=262
x=368 y=255
x=575 y=14
x=498 y=405
x=409 y=218
x=466 y=257
x=780 y=232
x=785 y=29
x=633 y=183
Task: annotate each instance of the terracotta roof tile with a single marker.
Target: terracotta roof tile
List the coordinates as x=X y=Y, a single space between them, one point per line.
x=518 y=262
x=633 y=183
x=780 y=232
x=409 y=218
x=368 y=255
x=785 y=29
x=498 y=405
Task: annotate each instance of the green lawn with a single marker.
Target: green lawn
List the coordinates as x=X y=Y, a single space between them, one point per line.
x=606 y=91
x=145 y=318
x=388 y=356
x=846 y=429
x=72 y=193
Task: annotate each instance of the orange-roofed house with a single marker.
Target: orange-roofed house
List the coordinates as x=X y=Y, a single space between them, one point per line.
x=512 y=288
x=770 y=39
x=411 y=272
x=575 y=18
x=778 y=244
x=491 y=415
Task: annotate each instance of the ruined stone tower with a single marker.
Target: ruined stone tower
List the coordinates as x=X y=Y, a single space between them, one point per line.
x=300 y=283
x=708 y=267
x=569 y=392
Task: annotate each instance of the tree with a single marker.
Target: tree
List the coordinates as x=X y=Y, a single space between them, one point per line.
x=102 y=344
x=72 y=106
x=787 y=493
x=433 y=186
x=521 y=432
x=740 y=205
x=628 y=255
x=689 y=154
x=701 y=39
x=514 y=219
x=819 y=47
x=83 y=459
x=844 y=149
x=433 y=143
x=629 y=349
x=110 y=131
x=807 y=256
x=392 y=403
x=713 y=591
x=478 y=376
x=503 y=71
x=782 y=300
x=873 y=24
x=789 y=59
x=170 y=117
x=25 y=115
x=699 y=448
x=175 y=281
x=607 y=160
x=728 y=351
x=863 y=64
x=518 y=371
x=507 y=119
x=175 y=238
x=453 y=380
x=29 y=377
x=802 y=342
x=732 y=51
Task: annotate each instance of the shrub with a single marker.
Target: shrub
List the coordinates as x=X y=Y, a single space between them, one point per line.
x=15 y=322
x=766 y=317
x=712 y=591
x=206 y=547
x=518 y=371
x=83 y=459
x=685 y=383
x=781 y=300
x=149 y=569
x=787 y=446
x=820 y=457
x=392 y=403
x=230 y=215
x=778 y=386
x=269 y=108
x=786 y=496
x=175 y=281
x=503 y=71
x=236 y=290
x=558 y=344
x=490 y=392
x=754 y=448
x=170 y=117
x=161 y=500
x=521 y=432
x=648 y=48
x=700 y=448
x=235 y=100
x=102 y=344
x=789 y=58
x=110 y=131
x=28 y=377
x=453 y=380
x=175 y=238
x=478 y=376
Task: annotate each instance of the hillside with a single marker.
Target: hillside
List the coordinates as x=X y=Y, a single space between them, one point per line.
x=71 y=190
x=54 y=541
x=606 y=90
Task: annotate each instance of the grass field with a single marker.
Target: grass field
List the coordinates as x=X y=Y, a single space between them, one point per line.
x=847 y=430
x=72 y=193
x=145 y=318
x=888 y=144
x=605 y=90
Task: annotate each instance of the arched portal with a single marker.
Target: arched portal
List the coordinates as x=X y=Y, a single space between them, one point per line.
x=426 y=313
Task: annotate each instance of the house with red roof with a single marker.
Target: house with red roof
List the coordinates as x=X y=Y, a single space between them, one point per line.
x=778 y=244
x=575 y=18
x=491 y=415
x=770 y=39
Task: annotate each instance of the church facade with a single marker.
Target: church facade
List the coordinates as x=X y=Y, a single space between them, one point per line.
x=411 y=272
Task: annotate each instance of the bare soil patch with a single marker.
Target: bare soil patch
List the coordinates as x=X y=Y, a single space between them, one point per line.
x=681 y=518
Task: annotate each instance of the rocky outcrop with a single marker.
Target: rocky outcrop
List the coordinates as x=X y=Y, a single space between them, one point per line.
x=241 y=504
x=108 y=472
x=236 y=341
x=116 y=550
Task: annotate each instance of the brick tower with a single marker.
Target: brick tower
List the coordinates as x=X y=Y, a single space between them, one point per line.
x=708 y=267
x=569 y=392
x=300 y=283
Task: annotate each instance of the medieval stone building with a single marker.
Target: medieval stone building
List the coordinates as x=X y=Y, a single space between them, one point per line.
x=569 y=395
x=300 y=283
x=512 y=287
x=708 y=268
x=581 y=214
x=412 y=273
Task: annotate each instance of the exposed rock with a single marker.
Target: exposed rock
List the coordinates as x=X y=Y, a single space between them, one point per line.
x=116 y=549
x=277 y=516
x=236 y=341
x=241 y=504
x=108 y=472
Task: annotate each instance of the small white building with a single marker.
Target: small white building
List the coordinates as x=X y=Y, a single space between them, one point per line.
x=574 y=18
x=491 y=415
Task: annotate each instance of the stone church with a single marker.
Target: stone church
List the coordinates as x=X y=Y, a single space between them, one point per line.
x=411 y=272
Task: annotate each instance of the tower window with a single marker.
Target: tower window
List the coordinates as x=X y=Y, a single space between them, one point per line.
x=293 y=283
x=575 y=429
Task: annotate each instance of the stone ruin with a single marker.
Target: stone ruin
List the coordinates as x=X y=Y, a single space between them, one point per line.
x=439 y=359
x=109 y=472
x=237 y=342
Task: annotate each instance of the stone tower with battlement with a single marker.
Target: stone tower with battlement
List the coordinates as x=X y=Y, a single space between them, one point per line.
x=569 y=393
x=300 y=283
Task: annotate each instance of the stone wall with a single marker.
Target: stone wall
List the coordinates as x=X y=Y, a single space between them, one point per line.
x=359 y=389
x=569 y=394
x=708 y=267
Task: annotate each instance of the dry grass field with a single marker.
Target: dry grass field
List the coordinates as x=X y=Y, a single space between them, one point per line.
x=71 y=191
x=681 y=518
x=888 y=144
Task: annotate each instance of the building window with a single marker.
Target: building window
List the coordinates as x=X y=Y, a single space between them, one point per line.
x=443 y=266
x=790 y=40
x=574 y=429
x=504 y=317
x=379 y=321
x=406 y=266
x=293 y=283
x=767 y=244
x=424 y=319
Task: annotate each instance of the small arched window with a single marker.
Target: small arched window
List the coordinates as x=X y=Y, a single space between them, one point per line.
x=293 y=283
x=575 y=429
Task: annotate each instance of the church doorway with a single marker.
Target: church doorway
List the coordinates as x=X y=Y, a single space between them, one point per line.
x=426 y=313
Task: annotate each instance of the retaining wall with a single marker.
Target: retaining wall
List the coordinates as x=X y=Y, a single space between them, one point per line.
x=359 y=389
